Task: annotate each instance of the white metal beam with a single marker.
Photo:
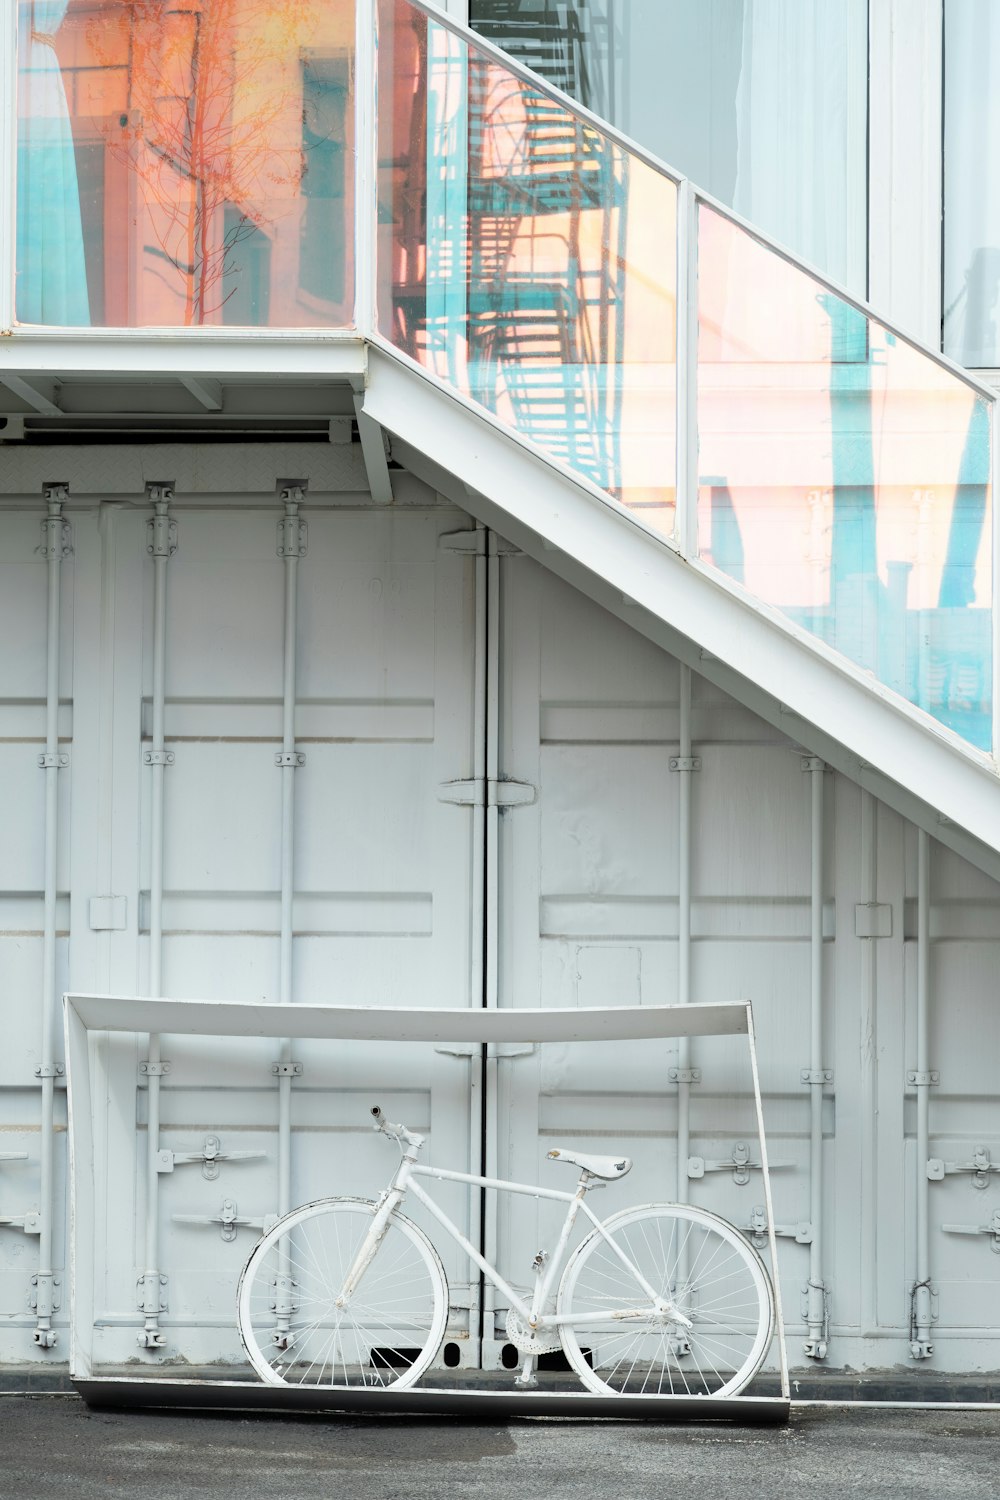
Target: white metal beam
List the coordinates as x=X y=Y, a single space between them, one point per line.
x=208 y=393
x=815 y=696
x=32 y=395
x=225 y=358
x=373 y=448
x=406 y=1024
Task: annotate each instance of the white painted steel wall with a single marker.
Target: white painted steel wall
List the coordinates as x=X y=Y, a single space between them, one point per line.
x=583 y=714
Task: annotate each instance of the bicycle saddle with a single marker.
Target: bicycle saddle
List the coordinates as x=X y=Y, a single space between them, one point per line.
x=601 y=1166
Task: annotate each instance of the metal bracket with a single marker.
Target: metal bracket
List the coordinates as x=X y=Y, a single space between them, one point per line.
x=470 y=542
x=157 y=757
x=30 y=1222
x=812 y=763
x=293 y=537
x=151 y=1299
x=161 y=532
x=478 y=793
x=45 y=1294
x=57 y=538
x=229 y=1219
x=154 y=1070
x=286 y=1069
x=923 y=1080
x=293 y=758
x=209 y=1156
x=757 y=1229
x=992 y=1229
x=49 y=762
x=685 y=763
x=740 y=1164
x=684 y=1075
x=49 y=1070
x=872 y=919
x=819 y=1075
x=980 y=1167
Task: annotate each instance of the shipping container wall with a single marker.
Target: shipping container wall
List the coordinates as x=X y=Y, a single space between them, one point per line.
x=433 y=658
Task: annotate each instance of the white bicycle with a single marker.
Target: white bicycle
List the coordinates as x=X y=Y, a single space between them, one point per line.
x=658 y=1300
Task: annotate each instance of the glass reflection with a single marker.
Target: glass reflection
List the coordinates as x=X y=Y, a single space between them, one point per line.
x=527 y=259
x=185 y=165
x=845 y=478
x=762 y=103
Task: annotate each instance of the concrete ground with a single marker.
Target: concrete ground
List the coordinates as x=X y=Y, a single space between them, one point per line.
x=54 y=1446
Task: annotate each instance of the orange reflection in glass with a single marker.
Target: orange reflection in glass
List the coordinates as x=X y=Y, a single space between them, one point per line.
x=845 y=477
x=528 y=260
x=191 y=164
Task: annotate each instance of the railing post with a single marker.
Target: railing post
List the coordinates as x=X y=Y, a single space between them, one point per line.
x=686 y=518
x=366 y=165
x=8 y=156
x=995 y=589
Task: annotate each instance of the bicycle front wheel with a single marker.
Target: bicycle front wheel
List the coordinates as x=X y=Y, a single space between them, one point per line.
x=391 y=1326
x=620 y=1345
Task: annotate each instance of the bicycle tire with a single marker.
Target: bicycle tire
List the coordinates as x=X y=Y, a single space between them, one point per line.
x=712 y=1274
x=390 y=1330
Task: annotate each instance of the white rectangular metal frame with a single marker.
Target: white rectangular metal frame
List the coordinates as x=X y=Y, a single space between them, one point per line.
x=85 y=1014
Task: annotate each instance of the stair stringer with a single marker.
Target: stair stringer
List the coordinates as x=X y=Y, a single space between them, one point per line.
x=801 y=687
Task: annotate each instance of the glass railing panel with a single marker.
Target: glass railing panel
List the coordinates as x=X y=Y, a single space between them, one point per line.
x=185 y=165
x=845 y=477
x=527 y=259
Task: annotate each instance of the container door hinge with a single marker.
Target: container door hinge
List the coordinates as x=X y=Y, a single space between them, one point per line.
x=756 y=1229
x=230 y=1220
x=210 y=1155
x=992 y=1229
x=478 y=793
x=740 y=1164
x=979 y=1167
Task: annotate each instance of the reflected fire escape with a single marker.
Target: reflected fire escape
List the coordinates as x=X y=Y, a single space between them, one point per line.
x=526 y=257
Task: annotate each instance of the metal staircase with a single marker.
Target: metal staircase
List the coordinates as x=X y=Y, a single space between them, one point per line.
x=814 y=487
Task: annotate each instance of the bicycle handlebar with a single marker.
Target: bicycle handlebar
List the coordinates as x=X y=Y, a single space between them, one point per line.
x=398 y=1132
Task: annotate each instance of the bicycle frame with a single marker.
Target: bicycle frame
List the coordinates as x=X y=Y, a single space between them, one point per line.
x=405 y=1181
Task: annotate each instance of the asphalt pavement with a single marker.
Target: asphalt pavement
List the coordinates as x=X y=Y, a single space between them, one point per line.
x=53 y=1447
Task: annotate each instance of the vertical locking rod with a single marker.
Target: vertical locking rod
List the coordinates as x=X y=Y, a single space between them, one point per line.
x=54 y=549
x=161 y=546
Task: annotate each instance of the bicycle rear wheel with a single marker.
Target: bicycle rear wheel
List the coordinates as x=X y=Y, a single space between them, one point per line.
x=392 y=1325
x=622 y=1346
